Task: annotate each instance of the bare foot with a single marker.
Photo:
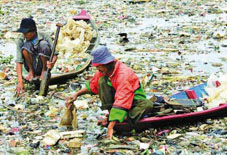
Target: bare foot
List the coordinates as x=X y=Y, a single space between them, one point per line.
x=30 y=76
x=42 y=75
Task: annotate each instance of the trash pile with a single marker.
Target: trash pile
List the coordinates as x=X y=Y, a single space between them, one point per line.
x=217 y=90
x=171 y=45
x=72 y=138
x=74 y=39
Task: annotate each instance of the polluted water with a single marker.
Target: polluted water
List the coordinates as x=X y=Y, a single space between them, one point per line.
x=171 y=45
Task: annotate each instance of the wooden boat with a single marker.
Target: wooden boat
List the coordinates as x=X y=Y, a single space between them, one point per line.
x=158 y=121
x=62 y=78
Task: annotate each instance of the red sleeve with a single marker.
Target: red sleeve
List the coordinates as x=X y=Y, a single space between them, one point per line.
x=94 y=83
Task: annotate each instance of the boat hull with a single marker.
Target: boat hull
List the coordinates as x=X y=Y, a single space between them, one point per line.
x=153 y=122
x=175 y=119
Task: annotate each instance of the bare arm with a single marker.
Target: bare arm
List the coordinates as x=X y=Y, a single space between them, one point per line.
x=55 y=57
x=50 y=65
x=82 y=92
x=110 y=129
x=20 y=85
x=73 y=98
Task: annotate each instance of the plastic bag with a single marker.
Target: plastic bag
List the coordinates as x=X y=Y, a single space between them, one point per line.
x=74 y=121
x=67 y=118
x=217 y=90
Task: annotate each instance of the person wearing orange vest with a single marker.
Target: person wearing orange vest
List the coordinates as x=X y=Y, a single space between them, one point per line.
x=118 y=88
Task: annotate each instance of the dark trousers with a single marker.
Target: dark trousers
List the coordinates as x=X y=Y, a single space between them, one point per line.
x=42 y=49
x=139 y=107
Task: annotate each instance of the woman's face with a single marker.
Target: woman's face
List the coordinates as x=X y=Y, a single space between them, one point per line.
x=102 y=69
x=29 y=35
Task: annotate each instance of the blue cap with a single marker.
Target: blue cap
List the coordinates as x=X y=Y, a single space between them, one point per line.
x=101 y=56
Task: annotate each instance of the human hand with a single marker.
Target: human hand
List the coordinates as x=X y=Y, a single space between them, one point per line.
x=19 y=89
x=110 y=129
x=110 y=133
x=70 y=100
x=50 y=65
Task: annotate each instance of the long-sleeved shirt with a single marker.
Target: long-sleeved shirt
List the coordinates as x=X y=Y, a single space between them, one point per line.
x=127 y=87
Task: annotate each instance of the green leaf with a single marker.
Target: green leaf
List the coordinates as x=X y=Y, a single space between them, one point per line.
x=145 y=152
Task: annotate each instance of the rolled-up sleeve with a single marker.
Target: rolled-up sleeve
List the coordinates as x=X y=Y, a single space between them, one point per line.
x=117 y=115
x=19 y=57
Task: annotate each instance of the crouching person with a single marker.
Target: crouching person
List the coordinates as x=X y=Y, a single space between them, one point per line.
x=33 y=50
x=119 y=90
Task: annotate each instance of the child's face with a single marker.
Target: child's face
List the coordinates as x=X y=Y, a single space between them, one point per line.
x=29 y=35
